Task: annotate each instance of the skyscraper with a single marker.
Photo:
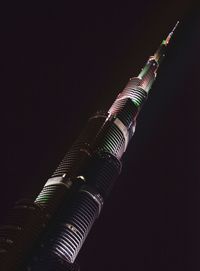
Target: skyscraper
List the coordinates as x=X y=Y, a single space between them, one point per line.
x=57 y=223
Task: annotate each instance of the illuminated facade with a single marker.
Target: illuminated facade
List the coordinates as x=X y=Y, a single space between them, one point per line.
x=72 y=199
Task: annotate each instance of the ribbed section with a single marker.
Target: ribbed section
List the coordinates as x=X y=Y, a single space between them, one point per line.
x=92 y=128
x=81 y=149
x=51 y=196
x=127 y=112
x=110 y=140
x=69 y=234
x=117 y=106
x=73 y=160
x=138 y=96
x=73 y=224
x=103 y=172
x=17 y=237
x=128 y=102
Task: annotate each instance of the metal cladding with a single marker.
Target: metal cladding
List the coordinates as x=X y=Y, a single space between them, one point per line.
x=54 y=227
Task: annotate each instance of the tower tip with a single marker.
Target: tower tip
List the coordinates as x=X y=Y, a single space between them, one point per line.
x=175 y=27
x=170 y=34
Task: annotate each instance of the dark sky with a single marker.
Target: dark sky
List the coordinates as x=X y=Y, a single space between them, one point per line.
x=62 y=62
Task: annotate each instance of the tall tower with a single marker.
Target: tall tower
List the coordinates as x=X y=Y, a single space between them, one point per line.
x=54 y=227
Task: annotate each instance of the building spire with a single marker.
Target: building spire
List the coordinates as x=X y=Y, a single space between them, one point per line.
x=160 y=53
x=166 y=41
x=149 y=71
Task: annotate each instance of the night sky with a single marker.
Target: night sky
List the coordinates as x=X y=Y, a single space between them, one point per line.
x=62 y=62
